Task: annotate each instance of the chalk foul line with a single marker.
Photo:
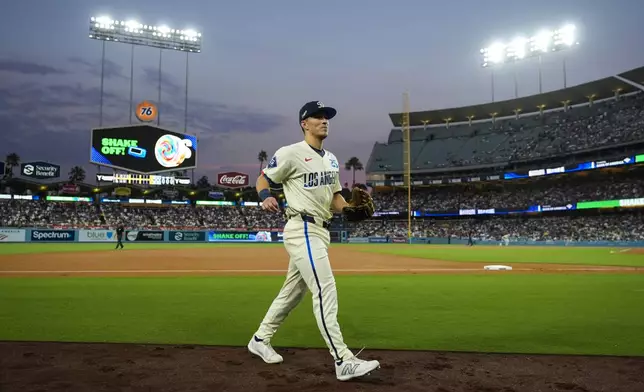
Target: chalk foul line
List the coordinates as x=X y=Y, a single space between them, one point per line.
x=389 y=270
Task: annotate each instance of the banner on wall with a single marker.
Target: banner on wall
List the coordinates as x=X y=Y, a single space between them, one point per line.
x=187 y=236
x=141 y=235
x=242 y=236
x=12 y=235
x=38 y=235
x=97 y=236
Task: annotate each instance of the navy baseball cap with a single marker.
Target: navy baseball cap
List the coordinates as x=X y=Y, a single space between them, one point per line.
x=314 y=107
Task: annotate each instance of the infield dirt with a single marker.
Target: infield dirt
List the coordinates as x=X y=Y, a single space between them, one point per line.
x=43 y=366
x=245 y=261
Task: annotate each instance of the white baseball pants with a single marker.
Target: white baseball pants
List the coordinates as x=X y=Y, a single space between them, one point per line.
x=309 y=267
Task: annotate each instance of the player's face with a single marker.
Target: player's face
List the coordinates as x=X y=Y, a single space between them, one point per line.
x=317 y=125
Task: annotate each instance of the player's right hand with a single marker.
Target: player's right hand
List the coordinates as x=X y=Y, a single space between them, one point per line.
x=270 y=204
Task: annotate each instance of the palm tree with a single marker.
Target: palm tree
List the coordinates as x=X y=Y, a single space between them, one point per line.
x=12 y=160
x=353 y=164
x=203 y=182
x=262 y=157
x=76 y=174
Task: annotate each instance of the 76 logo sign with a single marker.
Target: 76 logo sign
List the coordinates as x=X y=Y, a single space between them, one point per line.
x=146 y=111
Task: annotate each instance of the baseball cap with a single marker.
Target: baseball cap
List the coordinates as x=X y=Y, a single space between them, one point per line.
x=314 y=107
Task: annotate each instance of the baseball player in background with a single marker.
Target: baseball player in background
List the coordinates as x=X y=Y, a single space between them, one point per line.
x=506 y=240
x=310 y=177
x=119 y=236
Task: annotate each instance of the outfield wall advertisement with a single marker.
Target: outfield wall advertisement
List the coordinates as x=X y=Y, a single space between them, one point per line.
x=12 y=235
x=244 y=236
x=97 y=236
x=187 y=236
x=47 y=235
x=144 y=235
x=9 y=234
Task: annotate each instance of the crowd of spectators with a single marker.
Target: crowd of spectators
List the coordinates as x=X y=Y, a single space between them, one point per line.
x=53 y=214
x=617 y=227
x=529 y=137
x=506 y=194
x=554 y=191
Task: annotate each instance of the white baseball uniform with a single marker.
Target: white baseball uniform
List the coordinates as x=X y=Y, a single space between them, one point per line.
x=310 y=178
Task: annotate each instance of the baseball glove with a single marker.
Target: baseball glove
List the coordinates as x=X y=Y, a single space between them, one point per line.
x=360 y=207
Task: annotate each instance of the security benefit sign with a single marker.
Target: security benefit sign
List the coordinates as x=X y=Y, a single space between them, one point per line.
x=187 y=236
x=143 y=149
x=40 y=170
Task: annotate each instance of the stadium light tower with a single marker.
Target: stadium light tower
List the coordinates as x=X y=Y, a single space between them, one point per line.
x=520 y=48
x=132 y=32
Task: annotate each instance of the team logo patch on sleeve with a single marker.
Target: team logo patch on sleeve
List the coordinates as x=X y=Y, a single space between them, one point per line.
x=272 y=163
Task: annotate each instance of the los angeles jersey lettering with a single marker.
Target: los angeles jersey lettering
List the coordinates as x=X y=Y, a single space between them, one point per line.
x=312 y=180
x=309 y=180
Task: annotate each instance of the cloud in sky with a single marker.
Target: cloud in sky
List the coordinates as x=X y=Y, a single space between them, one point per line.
x=28 y=68
x=111 y=70
x=52 y=121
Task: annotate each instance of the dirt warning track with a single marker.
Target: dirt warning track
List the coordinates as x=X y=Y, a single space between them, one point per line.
x=248 y=261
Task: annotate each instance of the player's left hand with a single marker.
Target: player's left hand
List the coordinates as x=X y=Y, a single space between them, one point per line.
x=361 y=206
x=270 y=204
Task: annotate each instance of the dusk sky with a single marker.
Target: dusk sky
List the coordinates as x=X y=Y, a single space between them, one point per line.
x=261 y=61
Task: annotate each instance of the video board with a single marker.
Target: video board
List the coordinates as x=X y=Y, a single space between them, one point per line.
x=143 y=149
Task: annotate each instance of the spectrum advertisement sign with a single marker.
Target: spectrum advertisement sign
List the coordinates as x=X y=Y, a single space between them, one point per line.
x=96 y=236
x=244 y=236
x=143 y=149
x=38 y=235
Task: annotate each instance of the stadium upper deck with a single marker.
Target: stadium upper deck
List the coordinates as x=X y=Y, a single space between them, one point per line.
x=599 y=114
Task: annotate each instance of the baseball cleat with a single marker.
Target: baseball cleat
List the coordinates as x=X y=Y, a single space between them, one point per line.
x=264 y=350
x=354 y=367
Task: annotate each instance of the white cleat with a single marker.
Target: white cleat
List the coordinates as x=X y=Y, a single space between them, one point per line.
x=264 y=350
x=354 y=367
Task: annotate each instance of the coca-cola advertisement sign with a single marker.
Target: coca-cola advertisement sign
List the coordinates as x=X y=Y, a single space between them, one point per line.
x=70 y=189
x=232 y=179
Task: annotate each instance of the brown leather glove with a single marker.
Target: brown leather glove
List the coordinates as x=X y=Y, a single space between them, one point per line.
x=360 y=207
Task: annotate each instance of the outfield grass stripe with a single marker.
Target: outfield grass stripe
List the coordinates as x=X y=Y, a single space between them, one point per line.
x=511 y=255
x=565 y=314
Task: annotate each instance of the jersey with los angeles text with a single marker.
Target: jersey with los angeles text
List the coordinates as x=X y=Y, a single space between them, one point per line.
x=309 y=180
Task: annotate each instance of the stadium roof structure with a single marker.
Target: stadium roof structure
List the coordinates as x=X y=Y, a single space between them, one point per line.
x=582 y=93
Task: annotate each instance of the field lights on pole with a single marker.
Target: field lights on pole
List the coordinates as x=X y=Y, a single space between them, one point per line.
x=135 y=33
x=519 y=48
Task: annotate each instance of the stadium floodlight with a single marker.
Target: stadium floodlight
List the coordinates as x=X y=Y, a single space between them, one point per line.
x=544 y=41
x=135 y=33
x=131 y=31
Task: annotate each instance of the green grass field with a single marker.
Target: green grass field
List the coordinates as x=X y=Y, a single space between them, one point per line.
x=545 y=313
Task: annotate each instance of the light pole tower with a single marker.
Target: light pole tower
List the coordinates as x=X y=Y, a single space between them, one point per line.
x=134 y=33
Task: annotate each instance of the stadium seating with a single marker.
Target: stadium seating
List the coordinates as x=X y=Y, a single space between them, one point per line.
x=507 y=140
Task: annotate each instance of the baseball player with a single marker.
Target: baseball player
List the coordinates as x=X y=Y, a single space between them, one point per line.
x=119 y=236
x=506 y=240
x=310 y=178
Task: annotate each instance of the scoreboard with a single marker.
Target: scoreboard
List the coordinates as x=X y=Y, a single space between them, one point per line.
x=142 y=179
x=143 y=149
